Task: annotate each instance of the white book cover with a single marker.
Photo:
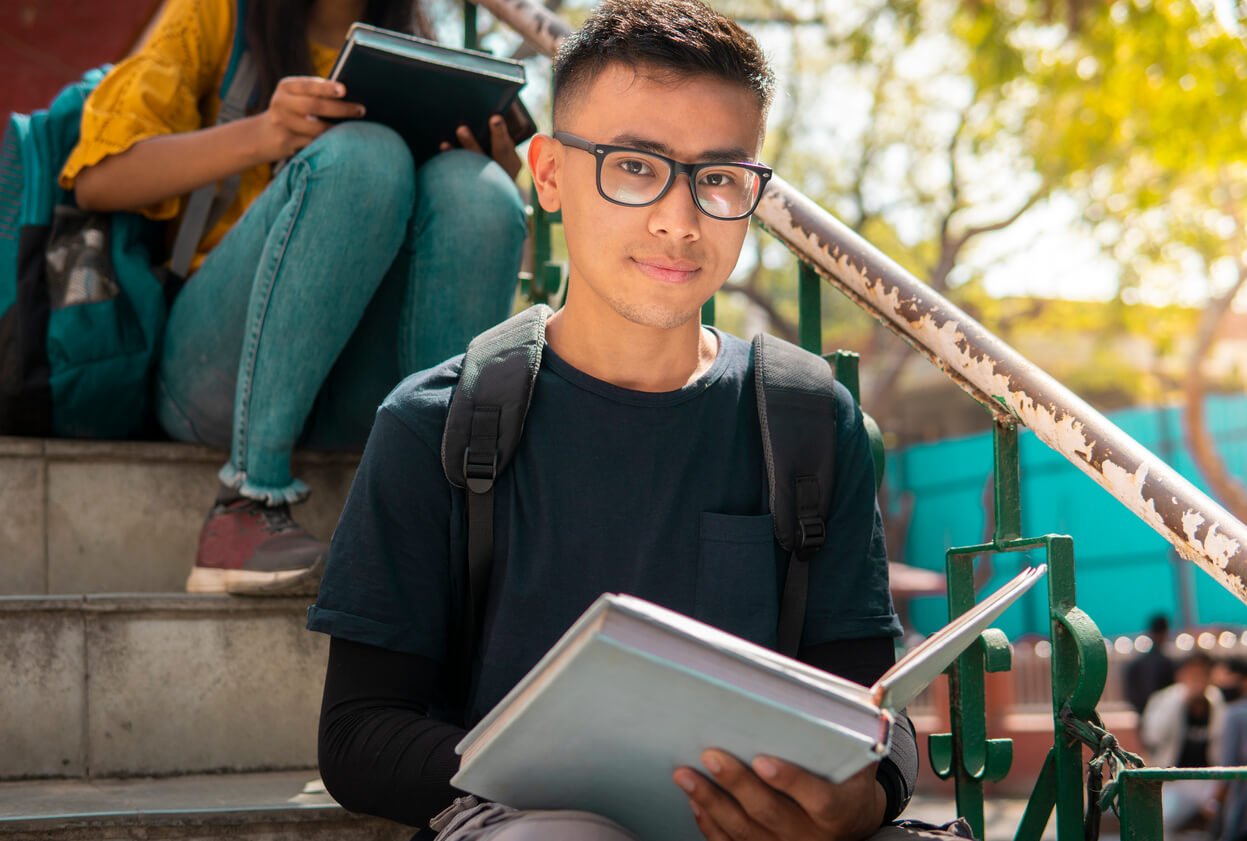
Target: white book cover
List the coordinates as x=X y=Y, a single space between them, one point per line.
x=633 y=690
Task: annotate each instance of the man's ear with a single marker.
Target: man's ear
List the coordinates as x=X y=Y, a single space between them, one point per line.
x=544 y=161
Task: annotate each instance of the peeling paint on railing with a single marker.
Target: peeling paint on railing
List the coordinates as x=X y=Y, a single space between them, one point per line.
x=984 y=366
x=995 y=374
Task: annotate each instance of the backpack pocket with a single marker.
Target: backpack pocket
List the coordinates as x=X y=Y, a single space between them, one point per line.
x=738 y=573
x=106 y=315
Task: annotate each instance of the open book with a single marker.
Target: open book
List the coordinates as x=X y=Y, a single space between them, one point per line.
x=633 y=690
x=425 y=90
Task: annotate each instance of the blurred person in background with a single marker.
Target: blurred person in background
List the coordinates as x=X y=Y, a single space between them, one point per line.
x=1151 y=671
x=1181 y=727
x=1227 y=676
x=1233 y=751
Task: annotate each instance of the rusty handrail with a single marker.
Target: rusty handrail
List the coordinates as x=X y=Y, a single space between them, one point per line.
x=978 y=361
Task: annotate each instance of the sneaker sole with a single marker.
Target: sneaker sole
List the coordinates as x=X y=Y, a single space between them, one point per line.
x=242 y=582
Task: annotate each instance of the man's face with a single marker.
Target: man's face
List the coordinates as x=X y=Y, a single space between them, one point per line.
x=653 y=265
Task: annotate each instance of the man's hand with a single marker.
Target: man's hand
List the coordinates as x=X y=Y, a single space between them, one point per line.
x=779 y=801
x=500 y=144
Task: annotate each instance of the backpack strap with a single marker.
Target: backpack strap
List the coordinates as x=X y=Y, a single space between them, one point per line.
x=483 y=429
x=208 y=203
x=797 y=411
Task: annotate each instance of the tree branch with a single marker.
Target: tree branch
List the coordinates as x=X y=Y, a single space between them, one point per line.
x=1199 y=441
x=780 y=325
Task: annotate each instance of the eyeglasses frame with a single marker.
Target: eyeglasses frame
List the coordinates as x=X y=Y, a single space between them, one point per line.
x=601 y=150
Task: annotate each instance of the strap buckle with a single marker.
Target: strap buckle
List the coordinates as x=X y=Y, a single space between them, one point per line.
x=480 y=469
x=813 y=532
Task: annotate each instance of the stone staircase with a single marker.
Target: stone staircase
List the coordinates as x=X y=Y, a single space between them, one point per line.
x=273 y=806
x=134 y=710
x=124 y=517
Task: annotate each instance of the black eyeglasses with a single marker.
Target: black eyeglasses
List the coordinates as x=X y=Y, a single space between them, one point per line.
x=634 y=178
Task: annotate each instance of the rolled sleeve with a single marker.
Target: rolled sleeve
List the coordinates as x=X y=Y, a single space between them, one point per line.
x=392 y=574
x=158 y=90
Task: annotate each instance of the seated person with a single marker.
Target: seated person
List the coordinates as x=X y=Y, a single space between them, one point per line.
x=322 y=284
x=640 y=469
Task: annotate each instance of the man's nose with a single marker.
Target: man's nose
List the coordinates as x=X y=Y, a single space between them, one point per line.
x=676 y=213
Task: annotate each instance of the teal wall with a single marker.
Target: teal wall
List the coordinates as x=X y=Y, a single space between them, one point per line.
x=1125 y=571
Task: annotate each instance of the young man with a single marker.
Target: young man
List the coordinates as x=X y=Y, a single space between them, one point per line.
x=640 y=469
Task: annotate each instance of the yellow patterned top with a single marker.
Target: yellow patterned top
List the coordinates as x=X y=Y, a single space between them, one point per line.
x=172 y=85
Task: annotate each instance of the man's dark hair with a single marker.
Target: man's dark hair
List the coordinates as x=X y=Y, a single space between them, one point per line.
x=1159 y=626
x=680 y=37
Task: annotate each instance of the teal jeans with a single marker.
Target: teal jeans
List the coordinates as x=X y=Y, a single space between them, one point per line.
x=351 y=270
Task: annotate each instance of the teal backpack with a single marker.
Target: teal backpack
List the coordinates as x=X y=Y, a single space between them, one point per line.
x=82 y=303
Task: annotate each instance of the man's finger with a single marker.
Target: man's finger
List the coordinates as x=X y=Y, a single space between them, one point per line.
x=819 y=798
x=719 y=812
x=710 y=830
x=764 y=806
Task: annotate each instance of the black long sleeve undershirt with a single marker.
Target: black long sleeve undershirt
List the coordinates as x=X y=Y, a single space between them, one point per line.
x=382 y=754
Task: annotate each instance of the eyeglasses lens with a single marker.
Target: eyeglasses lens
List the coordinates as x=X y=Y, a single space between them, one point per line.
x=726 y=190
x=636 y=178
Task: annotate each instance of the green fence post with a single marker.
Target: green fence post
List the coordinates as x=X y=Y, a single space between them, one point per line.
x=967 y=698
x=845 y=363
x=810 y=309
x=470 y=39
x=1039 y=805
x=547 y=275
x=1006 y=480
x=707 y=311
x=1140 y=808
x=1079 y=670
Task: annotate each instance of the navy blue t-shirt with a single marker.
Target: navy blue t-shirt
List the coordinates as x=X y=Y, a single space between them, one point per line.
x=659 y=495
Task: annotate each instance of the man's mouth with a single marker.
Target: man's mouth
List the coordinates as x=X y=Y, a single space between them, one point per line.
x=667 y=269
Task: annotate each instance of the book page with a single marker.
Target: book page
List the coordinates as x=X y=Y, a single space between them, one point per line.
x=913 y=672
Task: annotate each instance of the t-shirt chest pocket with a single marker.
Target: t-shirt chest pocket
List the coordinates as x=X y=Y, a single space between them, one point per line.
x=737 y=576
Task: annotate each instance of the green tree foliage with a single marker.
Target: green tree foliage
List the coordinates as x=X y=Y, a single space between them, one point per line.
x=928 y=126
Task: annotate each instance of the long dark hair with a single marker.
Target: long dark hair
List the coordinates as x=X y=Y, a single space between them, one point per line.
x=277 y=35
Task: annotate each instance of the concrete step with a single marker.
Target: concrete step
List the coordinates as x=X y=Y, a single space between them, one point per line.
x=282 y=806
x=124 y=517
x=126 y=685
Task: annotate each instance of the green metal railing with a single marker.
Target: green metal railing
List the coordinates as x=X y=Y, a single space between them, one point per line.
x=1016 y=393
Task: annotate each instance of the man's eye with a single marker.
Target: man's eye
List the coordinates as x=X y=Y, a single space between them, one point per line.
x=635 y=166
x=717 y=179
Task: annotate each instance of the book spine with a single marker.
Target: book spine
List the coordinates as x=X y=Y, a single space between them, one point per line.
x=884 y=745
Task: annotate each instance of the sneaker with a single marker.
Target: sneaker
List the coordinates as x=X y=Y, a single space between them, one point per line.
x=248 y=547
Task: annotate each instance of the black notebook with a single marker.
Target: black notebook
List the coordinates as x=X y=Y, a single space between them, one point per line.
x=425 y=90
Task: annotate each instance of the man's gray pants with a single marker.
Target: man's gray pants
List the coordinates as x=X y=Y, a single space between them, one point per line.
x=470 y=820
